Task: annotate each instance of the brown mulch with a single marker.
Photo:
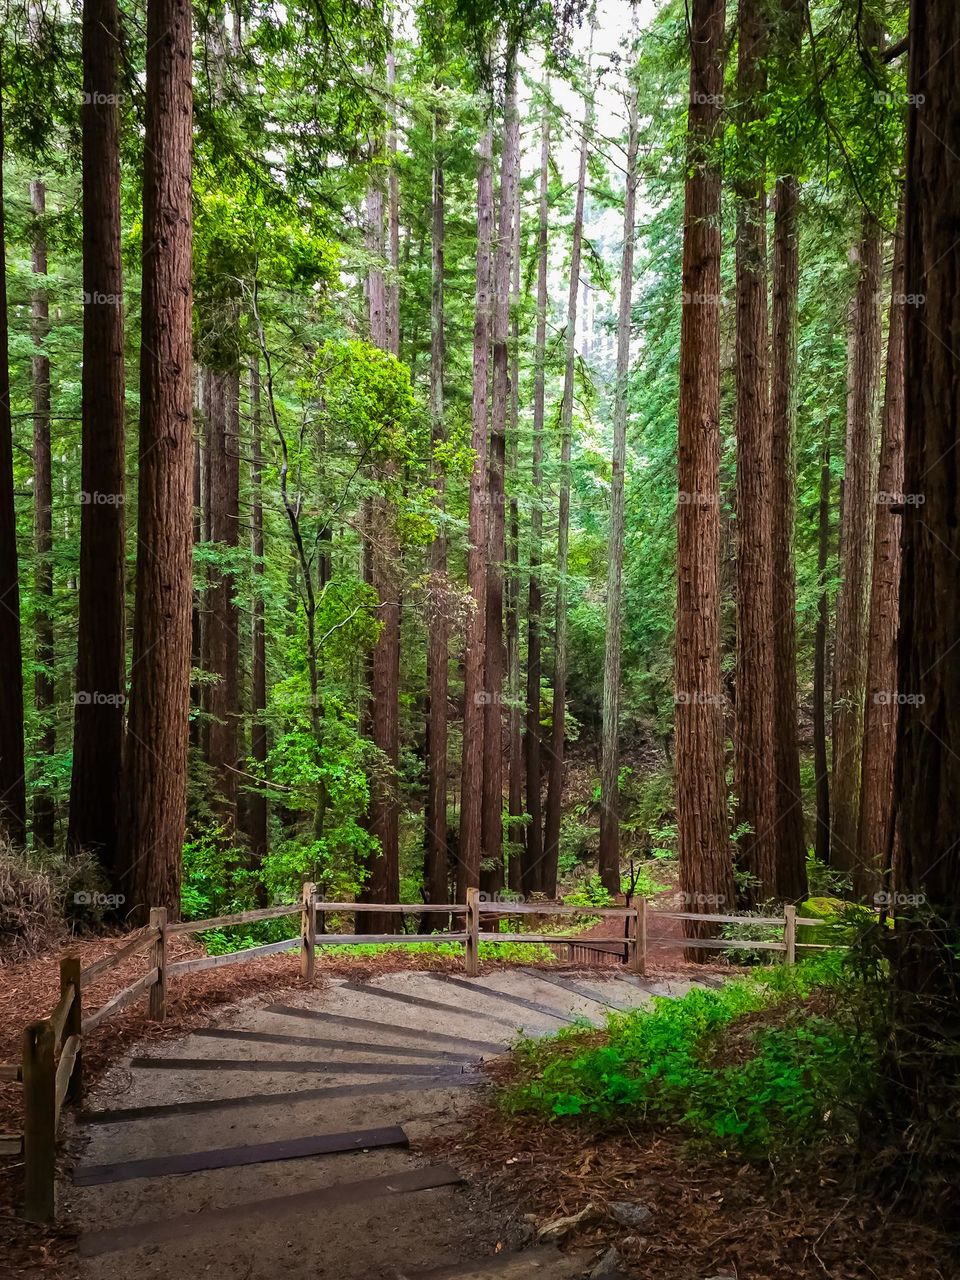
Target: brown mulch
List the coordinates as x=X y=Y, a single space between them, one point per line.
x=712 y=1217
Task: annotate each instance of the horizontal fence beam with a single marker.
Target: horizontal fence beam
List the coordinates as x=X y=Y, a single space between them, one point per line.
x=9 y=1072
x=241 y=917
x=231 y=957
x=409 y=908
x=547 y=909
x=120 y=1000
x=400 y=939
x=139 y=942
x=11 y=1144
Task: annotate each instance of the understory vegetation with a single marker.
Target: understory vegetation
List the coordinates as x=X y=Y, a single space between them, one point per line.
x=759 y=1067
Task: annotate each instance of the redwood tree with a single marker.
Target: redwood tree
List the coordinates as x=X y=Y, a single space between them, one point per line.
x=706 y=874
x=99 y=724
x=609 y=767
x=155 y=762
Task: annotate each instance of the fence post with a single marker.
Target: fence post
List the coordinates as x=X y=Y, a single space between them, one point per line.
x=308 y=931
x=790 y=934
x=39 y=1127
x=471 y=953
x=638 y=948
x=158 y=992
x=70 y=977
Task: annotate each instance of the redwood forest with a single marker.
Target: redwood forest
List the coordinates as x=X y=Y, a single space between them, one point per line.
x=479 y=478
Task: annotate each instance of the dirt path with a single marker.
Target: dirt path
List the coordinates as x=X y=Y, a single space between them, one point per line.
x=352 y=1060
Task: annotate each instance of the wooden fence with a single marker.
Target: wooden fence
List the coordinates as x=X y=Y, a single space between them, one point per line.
x=51 y=1066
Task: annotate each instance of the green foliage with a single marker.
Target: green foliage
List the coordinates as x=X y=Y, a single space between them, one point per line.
x=751 y=1068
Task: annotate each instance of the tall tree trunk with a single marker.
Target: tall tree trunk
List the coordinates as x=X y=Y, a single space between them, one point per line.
x=468 y=867
x=257 y=801
x=43 y=685
x=532 y=868
x=381 y=554
x=923 y=1063
x=820 y=765
x=881 y=711
x=436 y=871
x=393 y=214
x=494 y=655
x=791 y=840
x=13 y=797
x=222 y=657
x=551 y=826
x=515 y=731
x=155 y=763
x=754 y=764
x=98 y=725
x=610 y=756
x=856 y=550
x=706 y=873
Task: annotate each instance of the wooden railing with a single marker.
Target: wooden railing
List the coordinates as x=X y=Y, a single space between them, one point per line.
x=51 y=1067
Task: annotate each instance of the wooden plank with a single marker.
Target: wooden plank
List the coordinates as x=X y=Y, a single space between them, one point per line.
x=232 y=957
x=547 y=909
x=400 y=939
x=772 y=921
x=421 y=1002
x=68 y=1059
x=391 y=1028
x=243 y=1101
x=409 y=908
x=11 y=1144
x=40 y=1129
x=716 y=944
x=10 y=1071
x=567 y=939
x=575 y=989
x=321 y=1144
x=135 y=1234
x=503 y=996
x=307 y=1067
x=120 y=1001
x=139 y=942
x=241 y=917
x=352 y=1046
x=58 y=1019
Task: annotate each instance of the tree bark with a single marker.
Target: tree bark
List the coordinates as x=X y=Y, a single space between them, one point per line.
x=821 y=768
x=222 y=649
x=257 y=802
x=436 y=871
x=532 y=869
x=856 y=551
x=754 y=764
x=43 y=685
x=13 y=798
x=551 y=826
x=881 y=711
x=706 y=873
x=155 y=763
x=610 y=757
x=515 y=832
x=923 y=1064
x=98 y=727
x=492 y=879
x=468 y=867
x=790 y=837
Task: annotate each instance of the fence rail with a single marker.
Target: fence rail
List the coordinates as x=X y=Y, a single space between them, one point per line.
x=51 y=1066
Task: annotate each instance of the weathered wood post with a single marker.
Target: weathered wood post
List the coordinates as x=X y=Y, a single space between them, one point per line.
x=471 y=952
x=70 y=977
x=638 y=947
x=308 y=931
x=158 y=992
x=790 y=934
x=40 y=1124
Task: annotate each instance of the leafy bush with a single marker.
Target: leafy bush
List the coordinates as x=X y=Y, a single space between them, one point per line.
x=750 y=1067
